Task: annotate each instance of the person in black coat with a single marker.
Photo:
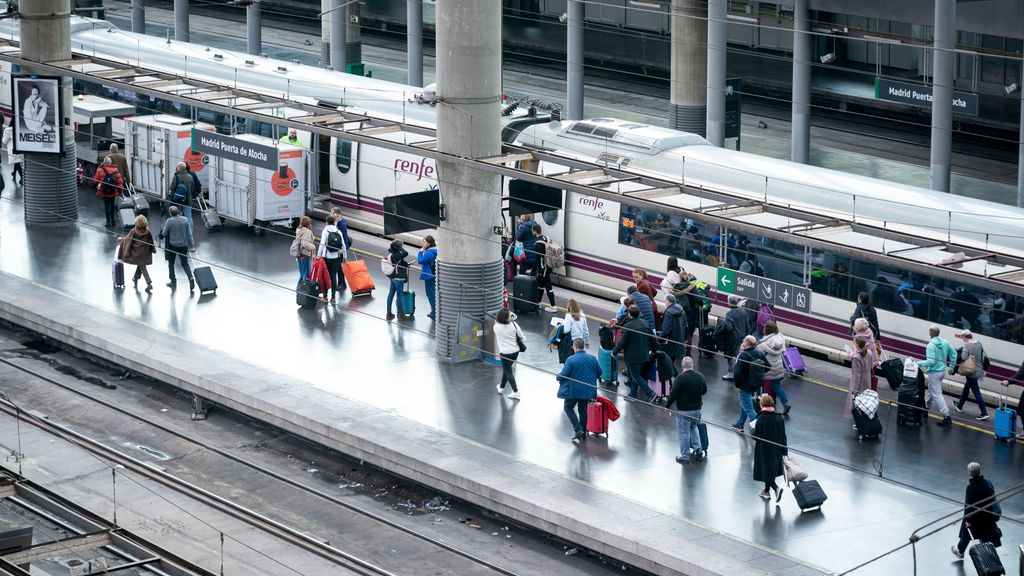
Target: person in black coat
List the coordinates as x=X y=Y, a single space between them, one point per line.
x=673 y=330
x=636 y=344
x=866 y=310
x=731 y=330
x=769 y=448
x=979 y=520
x=398 y=276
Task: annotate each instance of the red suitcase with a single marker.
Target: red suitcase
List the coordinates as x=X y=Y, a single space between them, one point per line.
x=597 y=418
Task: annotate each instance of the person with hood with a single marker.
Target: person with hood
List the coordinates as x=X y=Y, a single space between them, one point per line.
x=731 y=330
x=772 y=345
x=673 y=331
x=641 y=301
x=636 y=344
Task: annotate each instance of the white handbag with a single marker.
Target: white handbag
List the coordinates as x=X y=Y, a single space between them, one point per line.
x=792 y=471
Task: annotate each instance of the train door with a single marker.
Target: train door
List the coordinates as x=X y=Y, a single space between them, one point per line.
x=342 y=164
x=552 y=221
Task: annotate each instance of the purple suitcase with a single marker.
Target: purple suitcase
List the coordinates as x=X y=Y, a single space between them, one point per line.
x=117 y=274
x=793 y=362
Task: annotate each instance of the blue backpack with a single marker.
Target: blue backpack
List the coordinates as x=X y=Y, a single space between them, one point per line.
x=180 y=195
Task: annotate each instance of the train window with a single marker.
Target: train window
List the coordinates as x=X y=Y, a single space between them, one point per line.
x=663 y=233
x=343 y=155
x=549 y=217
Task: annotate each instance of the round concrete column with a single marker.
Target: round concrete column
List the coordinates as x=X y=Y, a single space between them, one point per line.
x=689 y=66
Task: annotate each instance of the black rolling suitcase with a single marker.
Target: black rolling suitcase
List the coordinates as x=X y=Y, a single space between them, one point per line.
x=986 y=560
x=867 y=428
x=525 y=292
x=911 y=410
x=809 y=495
x=210 y=217
x=306 y=296
x=205 y=280
x=706 y=341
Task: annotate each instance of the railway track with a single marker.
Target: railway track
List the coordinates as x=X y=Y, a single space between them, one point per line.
x=345 y=561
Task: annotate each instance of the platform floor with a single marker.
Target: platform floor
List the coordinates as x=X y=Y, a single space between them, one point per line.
x=351 y=352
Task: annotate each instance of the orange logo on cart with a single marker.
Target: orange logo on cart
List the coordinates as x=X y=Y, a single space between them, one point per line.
x=196 y=161
x=283 y=185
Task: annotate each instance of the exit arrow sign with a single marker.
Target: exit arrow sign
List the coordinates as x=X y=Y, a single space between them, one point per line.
x=726 y=280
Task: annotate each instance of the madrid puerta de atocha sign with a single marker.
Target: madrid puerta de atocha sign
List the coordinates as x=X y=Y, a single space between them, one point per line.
x=921 y=95
x=222 y=146
x=764 y=290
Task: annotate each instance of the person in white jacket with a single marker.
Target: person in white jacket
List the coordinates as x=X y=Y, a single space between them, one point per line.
x=333 y=258
x=13 y=159
x=772 y=345
x=506 y=342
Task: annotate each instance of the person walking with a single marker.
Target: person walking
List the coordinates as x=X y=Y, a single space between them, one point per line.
x=109 y=185
x=980 y=516
x=748 y=376
x=971 y=365
x=118 y=159
x=138 y=247
x=673 y=330
x=637 y=344
x=574 y=326
x=507 y=338
x=178 y=244
x=939 y=357
x=13 y=159
x=339 y=223
x=688 y=390
x=399 y=273
x=770 y=446
x=332 y=250
x=771 y=346
x=862 y=361
x=541 y=269
x=182 y=191
x=302 y=248
x=731 y=331
x=577 y=386
x=1018 y=379
x=427 y=259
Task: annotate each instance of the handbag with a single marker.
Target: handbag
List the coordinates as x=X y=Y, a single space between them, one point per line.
x=296 y=248
x=518 y=252
x=968 y=367
x=519 y=339
x=792 y=471
x=387 y=267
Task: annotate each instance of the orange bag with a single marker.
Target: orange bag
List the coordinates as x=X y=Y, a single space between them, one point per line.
x=358 y=277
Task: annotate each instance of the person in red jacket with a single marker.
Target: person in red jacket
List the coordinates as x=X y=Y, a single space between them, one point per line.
x=109 y=185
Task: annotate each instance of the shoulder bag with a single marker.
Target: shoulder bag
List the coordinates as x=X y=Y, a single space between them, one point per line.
x=519 y=339
x=969 y=366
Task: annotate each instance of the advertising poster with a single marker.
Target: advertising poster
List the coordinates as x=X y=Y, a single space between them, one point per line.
x=36 y=110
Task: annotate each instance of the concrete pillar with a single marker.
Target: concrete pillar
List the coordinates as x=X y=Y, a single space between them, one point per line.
x=942 y=93
x=414 y=41
x=688 y=85
x=253 y=28
x=181 y=20
x=325 y=33
x=139 y=16
x=337 y=13
x=1020 y=152
x=800 y=137
x=716 y=72
x=353 y=33
x=469 y=271
x=574 y=60
x=51 y=188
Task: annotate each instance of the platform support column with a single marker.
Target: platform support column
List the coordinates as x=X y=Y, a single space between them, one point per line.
x=181 y=20
x=139 y=16
x=1020 y=153
x=353 y=33
x=800 y=130
x=325 y=34
x=689 y=66
x=414 y=41
x=253 y=28
x=574 y=60
x=51 y=189
x=716 y=72
x=469 y=273
x=942 y=93
x=338 y=30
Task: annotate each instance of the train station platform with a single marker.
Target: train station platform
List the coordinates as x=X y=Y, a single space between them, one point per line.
x=345 y=377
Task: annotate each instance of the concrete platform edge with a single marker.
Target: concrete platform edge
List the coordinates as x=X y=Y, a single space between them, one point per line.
x=363 y=435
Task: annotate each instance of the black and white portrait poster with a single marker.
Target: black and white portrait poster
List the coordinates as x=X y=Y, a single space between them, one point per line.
x=36 y=114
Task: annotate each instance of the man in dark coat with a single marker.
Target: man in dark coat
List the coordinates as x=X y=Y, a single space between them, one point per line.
x=732 y=329
x=769 y=448
x=673 y=330
x=687 y=394
x=643 y=302
x=636 y=345
x=577 y=385
x=748 y=374
x=979 y=518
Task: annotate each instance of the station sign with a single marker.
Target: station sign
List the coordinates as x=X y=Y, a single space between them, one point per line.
x=764 y=290
x=733 y=107
x=222 y=146
x=921 y=95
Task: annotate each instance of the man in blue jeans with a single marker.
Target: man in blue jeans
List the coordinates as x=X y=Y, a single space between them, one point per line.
x=687 y=391
x=748 y=375
x=577 y=385
x=427 y=259
x=636 y=345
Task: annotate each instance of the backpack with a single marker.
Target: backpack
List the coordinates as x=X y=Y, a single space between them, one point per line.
x=335 y=243
x=109 y=182
x=554 y=255
x=756 y=370
x=607 y=338
x=180 y=195
x=699 y=296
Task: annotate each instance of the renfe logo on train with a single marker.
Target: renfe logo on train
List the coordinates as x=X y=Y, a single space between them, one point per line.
x=420 y=169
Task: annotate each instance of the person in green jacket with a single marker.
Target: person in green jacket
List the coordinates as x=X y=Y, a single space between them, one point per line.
x=939 y=357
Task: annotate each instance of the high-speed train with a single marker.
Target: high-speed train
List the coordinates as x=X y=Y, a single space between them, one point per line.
x=604 y=240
